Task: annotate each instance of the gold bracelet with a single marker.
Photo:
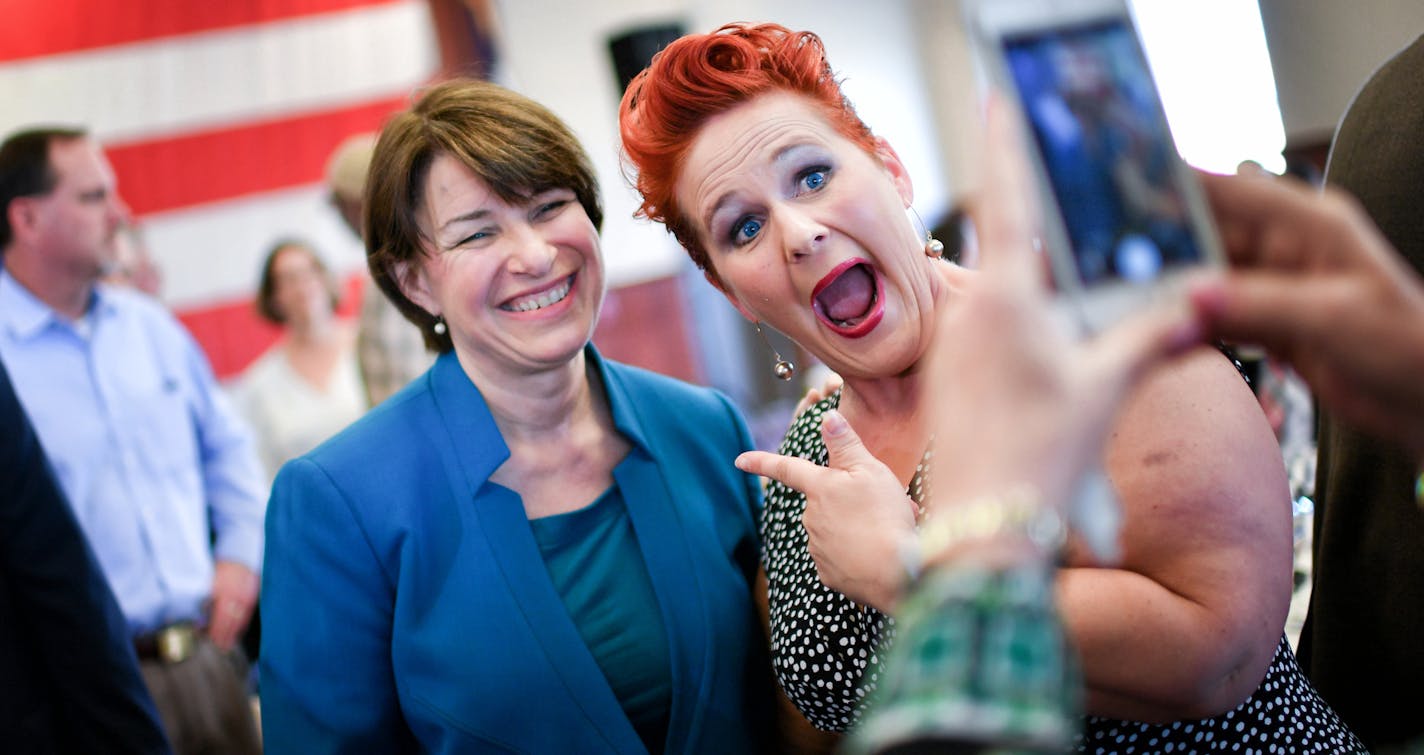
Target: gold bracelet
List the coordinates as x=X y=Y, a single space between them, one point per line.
x=1017 y=512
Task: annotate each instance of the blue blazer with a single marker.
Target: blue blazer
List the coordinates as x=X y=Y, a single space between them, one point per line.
x=406 y=605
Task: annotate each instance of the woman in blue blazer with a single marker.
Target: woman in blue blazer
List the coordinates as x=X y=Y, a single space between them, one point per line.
x=529 y=548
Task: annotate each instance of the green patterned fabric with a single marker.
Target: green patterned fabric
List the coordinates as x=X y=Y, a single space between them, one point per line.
x=980 y=664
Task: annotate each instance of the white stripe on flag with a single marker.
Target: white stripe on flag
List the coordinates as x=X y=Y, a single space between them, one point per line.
x=181 y=84
x=213 y=253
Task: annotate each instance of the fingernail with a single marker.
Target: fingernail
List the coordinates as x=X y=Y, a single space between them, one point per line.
x=833 y=423
x=741 y=463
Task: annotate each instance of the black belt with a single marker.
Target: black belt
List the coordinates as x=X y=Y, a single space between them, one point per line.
x=174 y=643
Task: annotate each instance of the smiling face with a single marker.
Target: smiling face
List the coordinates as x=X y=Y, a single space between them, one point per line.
x=519 y=284
x=807 y=232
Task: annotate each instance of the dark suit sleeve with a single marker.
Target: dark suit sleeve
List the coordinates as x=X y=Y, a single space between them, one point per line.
x=66 y=652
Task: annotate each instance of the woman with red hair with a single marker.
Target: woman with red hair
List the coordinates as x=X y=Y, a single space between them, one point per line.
x=746 y=149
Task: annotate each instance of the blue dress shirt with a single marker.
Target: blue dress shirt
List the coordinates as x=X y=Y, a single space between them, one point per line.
x=152 y=458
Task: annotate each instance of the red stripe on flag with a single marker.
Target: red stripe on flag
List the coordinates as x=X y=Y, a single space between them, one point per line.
x=32 y=29
x=167 y=174
x=233 y=335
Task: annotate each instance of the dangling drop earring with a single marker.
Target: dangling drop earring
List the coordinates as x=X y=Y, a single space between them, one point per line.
x=782 y=369
x=934 y=248
x=439 y=327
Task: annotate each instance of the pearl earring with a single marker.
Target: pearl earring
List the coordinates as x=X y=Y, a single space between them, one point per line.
x=934 y=248
x=783 y=369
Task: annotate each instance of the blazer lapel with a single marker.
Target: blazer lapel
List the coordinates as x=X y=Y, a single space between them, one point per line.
x=473 y=438
x=662 y=539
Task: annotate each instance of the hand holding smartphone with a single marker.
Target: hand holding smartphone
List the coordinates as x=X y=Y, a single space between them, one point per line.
x=1123 y=215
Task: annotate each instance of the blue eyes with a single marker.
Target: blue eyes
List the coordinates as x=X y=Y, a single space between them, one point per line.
x=807 y=181
x=745 y=231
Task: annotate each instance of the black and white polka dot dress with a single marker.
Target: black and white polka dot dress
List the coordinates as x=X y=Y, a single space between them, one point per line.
x=824 y=647
x=826 y=650
x=1284 y=715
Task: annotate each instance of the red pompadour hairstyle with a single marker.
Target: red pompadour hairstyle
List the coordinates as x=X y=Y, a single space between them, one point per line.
x=701 y=75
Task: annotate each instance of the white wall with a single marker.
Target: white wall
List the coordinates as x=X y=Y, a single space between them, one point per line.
x=556 y=52
x=874 y=47
x=1323 y=50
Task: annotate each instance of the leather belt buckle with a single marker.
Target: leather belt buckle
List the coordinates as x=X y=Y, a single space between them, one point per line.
x=176 y=643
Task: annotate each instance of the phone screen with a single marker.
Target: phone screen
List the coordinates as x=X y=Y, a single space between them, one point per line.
x=1096 y=119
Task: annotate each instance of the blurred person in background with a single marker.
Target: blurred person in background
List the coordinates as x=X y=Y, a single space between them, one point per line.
x=1361 y=640
x=158 y=467
x=389 y=349
x=306 y=387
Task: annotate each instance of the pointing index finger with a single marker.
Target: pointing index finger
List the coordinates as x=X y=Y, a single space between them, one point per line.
x=795 y=473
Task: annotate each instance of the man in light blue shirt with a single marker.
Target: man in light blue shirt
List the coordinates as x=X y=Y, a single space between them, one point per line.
x=158 y=468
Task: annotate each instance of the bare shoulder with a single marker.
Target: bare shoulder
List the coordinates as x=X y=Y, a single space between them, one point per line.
x=1199 y=404
x=1192 y=456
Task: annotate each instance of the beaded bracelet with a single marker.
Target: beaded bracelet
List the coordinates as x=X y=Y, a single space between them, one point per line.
x=1015 y=512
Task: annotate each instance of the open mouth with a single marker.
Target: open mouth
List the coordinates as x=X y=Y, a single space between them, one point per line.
x=540 y=299
x=848 y=299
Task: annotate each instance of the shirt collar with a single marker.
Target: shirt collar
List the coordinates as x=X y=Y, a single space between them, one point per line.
x=620 y=404
x=24 y=315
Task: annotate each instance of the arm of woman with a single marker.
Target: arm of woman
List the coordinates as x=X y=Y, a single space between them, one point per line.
x=327 y=681
x=1186 y=625
x=794 y=734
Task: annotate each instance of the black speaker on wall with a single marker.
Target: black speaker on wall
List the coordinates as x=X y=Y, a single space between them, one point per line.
x=632 y=50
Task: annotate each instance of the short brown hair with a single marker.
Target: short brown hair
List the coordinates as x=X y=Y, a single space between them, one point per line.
x=267 y=286
x=512 y=143
x=25 y=170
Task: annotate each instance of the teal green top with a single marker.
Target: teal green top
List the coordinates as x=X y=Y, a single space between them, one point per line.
x=597 y=567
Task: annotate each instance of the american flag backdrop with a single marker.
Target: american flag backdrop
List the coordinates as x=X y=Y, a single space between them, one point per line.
x=219 y=117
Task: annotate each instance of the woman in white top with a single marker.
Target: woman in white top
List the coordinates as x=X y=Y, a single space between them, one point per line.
x=306 y=387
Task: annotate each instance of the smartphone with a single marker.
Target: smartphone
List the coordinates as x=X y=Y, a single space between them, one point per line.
x=1123 y=216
